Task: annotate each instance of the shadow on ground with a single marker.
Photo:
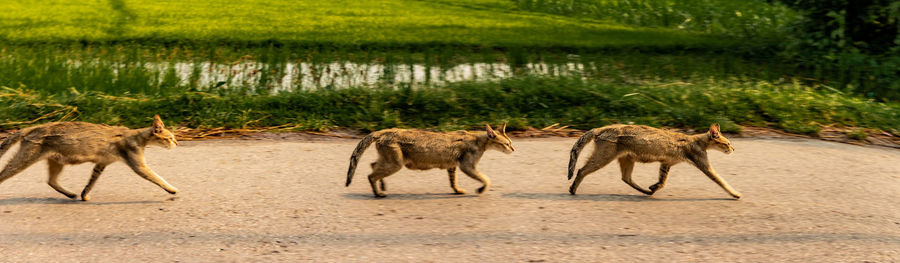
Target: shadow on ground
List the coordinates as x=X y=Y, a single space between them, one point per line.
x=425 y=196
x=606 y=197
x=46 y=200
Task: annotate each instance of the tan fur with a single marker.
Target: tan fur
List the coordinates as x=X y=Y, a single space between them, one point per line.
x=63 y=143
x=423 y=150
x=637 y=143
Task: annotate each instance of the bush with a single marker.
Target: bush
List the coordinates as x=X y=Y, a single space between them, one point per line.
x=854 y=43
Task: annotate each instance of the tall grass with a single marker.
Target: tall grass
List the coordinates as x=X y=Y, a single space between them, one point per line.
x=580 y=62
x=521 y=101
x=160 y=71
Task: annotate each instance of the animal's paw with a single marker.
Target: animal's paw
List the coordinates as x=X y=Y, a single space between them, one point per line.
x=654 y=188
x=85 y=198
x=459 y=192
x=736 y=196
x=482 y=189
x=380 y=195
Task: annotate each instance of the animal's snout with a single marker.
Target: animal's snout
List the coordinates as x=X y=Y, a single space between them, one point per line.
x=509 y=148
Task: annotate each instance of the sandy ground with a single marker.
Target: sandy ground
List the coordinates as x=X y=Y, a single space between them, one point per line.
x=275 y=200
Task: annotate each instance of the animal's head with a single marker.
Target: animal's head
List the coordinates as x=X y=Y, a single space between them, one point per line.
x=161 y=135
x=718 y=141
x=499 y=140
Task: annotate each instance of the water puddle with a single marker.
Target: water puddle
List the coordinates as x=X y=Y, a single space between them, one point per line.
x=293 y=76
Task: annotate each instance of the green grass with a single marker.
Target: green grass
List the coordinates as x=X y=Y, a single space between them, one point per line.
x=134 y=69
x=738 y=18
x=94 y=61
x=380 y=23
x=525 y=101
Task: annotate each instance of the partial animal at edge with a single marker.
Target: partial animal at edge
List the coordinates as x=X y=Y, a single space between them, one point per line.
x=67 y=143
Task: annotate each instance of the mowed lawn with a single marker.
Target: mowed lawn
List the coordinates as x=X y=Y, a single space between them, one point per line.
x=490 y=23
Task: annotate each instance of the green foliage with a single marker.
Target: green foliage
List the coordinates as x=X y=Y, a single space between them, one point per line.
x=739 y=18
x=868 y=26
x=371 y=24
x=857 y=134
x=148 y=70
x=655 y=62
x=854 y=44
x=524 y=101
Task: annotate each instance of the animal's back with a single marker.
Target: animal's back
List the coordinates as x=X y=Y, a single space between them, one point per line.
x=76 y=142
x=425 y=149
x=644 y=143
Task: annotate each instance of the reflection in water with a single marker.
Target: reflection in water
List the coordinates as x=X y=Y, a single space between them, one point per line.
x=291 y=76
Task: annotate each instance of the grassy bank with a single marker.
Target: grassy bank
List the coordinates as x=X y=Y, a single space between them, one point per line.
x=526 y=101
x=371 y=23
x=157 y=71
x=262 y=63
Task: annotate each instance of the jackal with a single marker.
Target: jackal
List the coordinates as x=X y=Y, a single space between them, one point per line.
x=637 y=143
x=423 y=150
x=64 y=143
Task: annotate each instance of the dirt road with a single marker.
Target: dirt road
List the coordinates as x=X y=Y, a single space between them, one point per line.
x=263 y=201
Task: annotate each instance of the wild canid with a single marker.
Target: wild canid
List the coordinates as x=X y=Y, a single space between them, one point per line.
x=423 y=150
x=64 y=143
x=637 y=143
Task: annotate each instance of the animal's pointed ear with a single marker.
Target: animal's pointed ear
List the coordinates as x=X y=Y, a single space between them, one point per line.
x=502 y=129
x=714 y=130
x=158 y=124
x=490 y=132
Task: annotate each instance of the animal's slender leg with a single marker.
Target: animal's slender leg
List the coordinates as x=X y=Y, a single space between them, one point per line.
x=136 y=162
x=469 y=169
x=54 y=168
x=604 y=153
x=703 y=164
x=663 y=175
x=98 y=169
x=390 y=159
x=383 y=185
x=452 y=174
x=626 y=164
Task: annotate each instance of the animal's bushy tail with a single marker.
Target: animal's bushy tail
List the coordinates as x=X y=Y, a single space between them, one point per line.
x=12 y=139
x=354 y=159
x=576 y=149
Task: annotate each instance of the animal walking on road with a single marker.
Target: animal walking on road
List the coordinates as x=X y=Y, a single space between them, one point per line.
x=636 y=143
x=423 y=150
x=62 y=143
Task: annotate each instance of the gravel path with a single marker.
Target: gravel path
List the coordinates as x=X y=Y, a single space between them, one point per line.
x=278 y=200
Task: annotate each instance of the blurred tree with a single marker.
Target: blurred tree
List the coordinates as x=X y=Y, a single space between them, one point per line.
x=856 y=42
x=868 y=25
